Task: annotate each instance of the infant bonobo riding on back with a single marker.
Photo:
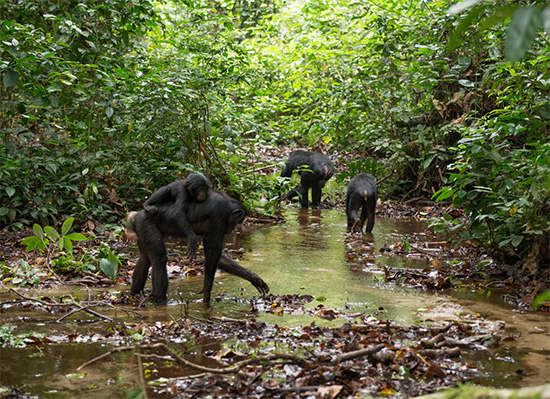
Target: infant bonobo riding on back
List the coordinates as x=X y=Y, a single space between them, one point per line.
x=180 y=194
x=211 y=218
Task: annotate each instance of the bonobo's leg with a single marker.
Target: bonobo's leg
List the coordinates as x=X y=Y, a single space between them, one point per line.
x=361 y=192
x=303 y=194
x=212 y=255
x=141 y=270
x=232 y=267
x=315 y=194
x=151 y=244
x=353 y=205
x=370 y=209
x=163 y=194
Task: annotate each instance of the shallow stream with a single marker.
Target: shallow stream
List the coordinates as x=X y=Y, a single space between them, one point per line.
x=310 y=254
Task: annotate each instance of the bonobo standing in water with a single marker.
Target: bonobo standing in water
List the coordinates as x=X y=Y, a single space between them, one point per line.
x=212 y=218
x=314 y=170
x=362 y=194
x=180 y=195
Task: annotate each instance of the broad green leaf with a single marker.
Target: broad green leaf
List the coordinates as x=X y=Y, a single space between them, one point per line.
x=10 y=191
x=37 y=230
x=464 y=25
x=466 y=83
x=516 y=240
x=10 y=78
x=67 y=243
x=76 y=237
x=109 y=111
x=522 y=30
x=51 y=233
x=33 y=243
x=67 y=224
x=108 y=268
x=445 y=193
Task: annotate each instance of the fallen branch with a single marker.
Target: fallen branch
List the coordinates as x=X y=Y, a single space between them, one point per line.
x=371 y=350
x=232 y=369
x=116 y=350
x=73 y=303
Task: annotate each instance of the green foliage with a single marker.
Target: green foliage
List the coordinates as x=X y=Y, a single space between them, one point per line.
x=108 y=261
x=21 y=274
x=101 y=104
x=541 y=299
x=10 y=340
x=54 y=244
x=45 y=239
x=525 y=22
x=505 y=188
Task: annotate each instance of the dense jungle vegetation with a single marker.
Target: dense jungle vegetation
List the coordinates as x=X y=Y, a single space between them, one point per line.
x=102 y=102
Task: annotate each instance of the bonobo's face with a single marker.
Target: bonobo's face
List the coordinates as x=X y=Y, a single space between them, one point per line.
x=200 y=193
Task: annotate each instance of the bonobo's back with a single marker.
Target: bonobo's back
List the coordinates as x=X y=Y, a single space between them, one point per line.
x=218 y=208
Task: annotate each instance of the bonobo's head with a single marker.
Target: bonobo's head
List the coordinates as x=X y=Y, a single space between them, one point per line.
x=237 y=215
x=197 y=186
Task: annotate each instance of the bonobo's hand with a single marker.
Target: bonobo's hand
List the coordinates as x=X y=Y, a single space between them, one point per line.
x=152 y=209
x=260 y=285
x=191 y=247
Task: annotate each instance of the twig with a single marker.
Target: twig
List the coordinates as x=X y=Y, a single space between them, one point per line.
x=371 y=350
x=73 y=303
x=393 y=172
x=233 y=369
x=116 y=350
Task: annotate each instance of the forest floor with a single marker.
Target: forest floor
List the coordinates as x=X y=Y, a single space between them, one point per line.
x=363 y=356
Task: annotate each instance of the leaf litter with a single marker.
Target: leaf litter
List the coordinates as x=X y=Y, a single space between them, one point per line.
x=250 y=358
x=363 y=356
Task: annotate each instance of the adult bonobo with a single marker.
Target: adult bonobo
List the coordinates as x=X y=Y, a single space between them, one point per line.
x=212 y=218
x=181 y=194
x=314 y=170
x=361 y=195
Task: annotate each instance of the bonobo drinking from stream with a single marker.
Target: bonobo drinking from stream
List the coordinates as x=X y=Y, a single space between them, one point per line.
x=211 y=219
x=314 y=170
x=181 y=193
x=361 y=194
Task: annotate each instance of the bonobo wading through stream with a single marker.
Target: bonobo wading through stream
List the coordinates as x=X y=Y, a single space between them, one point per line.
x=361 y=195
x=180 y=194
x=211 y=219
x=314 y=170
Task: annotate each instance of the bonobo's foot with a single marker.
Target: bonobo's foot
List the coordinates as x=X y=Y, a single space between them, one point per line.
x=160 y=300
x=152 y=209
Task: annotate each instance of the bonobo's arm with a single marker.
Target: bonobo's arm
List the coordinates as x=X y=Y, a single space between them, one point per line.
x=163 y=194
x=178 y=213
x=176 y=194
x=229 y=266
x=213 y=246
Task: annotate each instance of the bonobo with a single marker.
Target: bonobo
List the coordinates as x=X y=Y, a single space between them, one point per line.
x=362 y=193
x=314 y=170
x=212 y=218
x=180 y=194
